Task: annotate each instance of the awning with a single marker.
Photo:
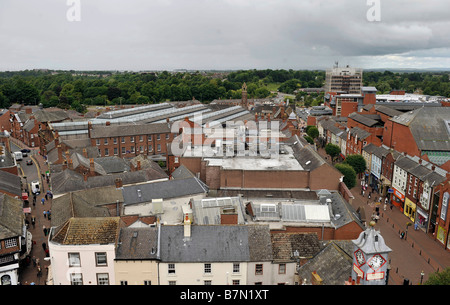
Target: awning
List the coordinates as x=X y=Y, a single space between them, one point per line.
x=27 y=210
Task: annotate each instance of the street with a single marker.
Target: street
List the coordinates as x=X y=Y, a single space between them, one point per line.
x=30 y=274
x=411 y=256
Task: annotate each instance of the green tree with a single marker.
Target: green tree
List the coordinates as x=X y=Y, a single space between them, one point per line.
x=332 y=150
x=439 y=278
x=357 y=162
x=313 y=132
x=349 y=174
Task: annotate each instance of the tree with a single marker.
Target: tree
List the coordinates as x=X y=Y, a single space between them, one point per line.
x=349 y=174
x=439 y=278
x=332 y=150
x=313 y=132
x=357 y=162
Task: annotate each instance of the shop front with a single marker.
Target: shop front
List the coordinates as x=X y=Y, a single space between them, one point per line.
x=398 y=199
x=410 y=209
x=422 y=219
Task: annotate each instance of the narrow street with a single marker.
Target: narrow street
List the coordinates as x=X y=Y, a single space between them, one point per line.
x=30 y=274
x=411 y=256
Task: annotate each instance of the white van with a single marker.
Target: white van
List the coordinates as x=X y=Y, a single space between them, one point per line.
x=18 y=155
x=35 y=187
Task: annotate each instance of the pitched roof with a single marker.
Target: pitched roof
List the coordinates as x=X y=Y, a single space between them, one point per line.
x=333 y=263
x=215 y=243
x=88 y=231
x=287 y=247
x=137 y=244
x=145 y=192
x=10 y=183
x=120 y=130
x=11 y=217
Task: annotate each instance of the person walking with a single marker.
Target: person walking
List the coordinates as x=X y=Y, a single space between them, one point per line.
x=43 y=201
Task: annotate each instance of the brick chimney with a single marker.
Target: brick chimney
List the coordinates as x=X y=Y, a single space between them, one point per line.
x=91 y=166
x=108 y=123
x=228 y=216
x=119 y=183
x=70 y=163
x=28 y=110
x=138 y=165
x=85 y=153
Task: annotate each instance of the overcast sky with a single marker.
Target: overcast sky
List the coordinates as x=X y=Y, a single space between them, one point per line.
x=223 y=34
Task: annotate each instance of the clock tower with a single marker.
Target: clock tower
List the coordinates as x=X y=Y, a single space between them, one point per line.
x=370 y=258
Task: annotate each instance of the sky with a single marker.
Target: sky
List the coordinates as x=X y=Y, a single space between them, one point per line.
x=137 y=35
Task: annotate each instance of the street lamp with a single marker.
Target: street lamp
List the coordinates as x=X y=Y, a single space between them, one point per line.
x=421 y=277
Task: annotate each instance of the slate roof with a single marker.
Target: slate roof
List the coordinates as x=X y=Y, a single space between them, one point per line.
x=137 y=244
x=10 y=183
x=333 y=263
x=69 y=180
x=405 y=163
x=214 y=243
x=88 y=231
x=367 y=120
x=361 y=133
x=116 y=130
x=427 y=125
x=43 y=115
x=133 y=194
x=11 y=217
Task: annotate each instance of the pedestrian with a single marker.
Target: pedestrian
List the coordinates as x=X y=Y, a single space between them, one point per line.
x=45 y=214
x=45 y=230
x=43 y=201
x=386 y=200
x=384 y=207
x=33 y=221
x=49 y=214
x=369 y=195
x=46 y=196
x=44 y=246
x=391 y=206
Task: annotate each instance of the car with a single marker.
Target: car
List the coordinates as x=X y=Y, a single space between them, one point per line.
x=35 y=187
x=29 y=162
x=25 y=150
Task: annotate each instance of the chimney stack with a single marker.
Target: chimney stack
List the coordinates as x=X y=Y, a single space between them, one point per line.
x=316 y=279
x=91 y=166
x=138 y=165
x=228 y=216
x=85 y=153
x=119 y=183
x=187 y=227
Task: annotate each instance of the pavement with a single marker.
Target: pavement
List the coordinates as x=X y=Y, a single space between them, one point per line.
x=418 y=252
x=29 y=274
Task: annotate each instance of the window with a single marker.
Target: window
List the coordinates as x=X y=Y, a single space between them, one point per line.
x=207 y=268
x=131 y=139
x=150 y=148
x=102 y=279
x=282 y=269
x=149 y=138
x=106 y=152
x=158 y=137
x=123 y=139
x=123 y=150
x=76 y=279
x=159 y=147
x=236 y=268
x=147 y=282
x=414 y=193
x=10 y=242
x=259 y=269
x=123 y=283
x=6 y=280
x=141 y=138
x=167 y=136
x=100 y=259
x=115 y=140
x=74 y=260
x=171 y=268
x=415 y=181
x=173 y=283
x=207 y=282
x=409 y=190
x=236 y=282
x=106 y=141
x=132 y=149
x=141 y=149
x=115 y=151
x=97 y=141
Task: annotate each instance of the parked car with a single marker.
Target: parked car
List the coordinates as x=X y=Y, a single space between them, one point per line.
x=25 y=150
x=29 y=162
